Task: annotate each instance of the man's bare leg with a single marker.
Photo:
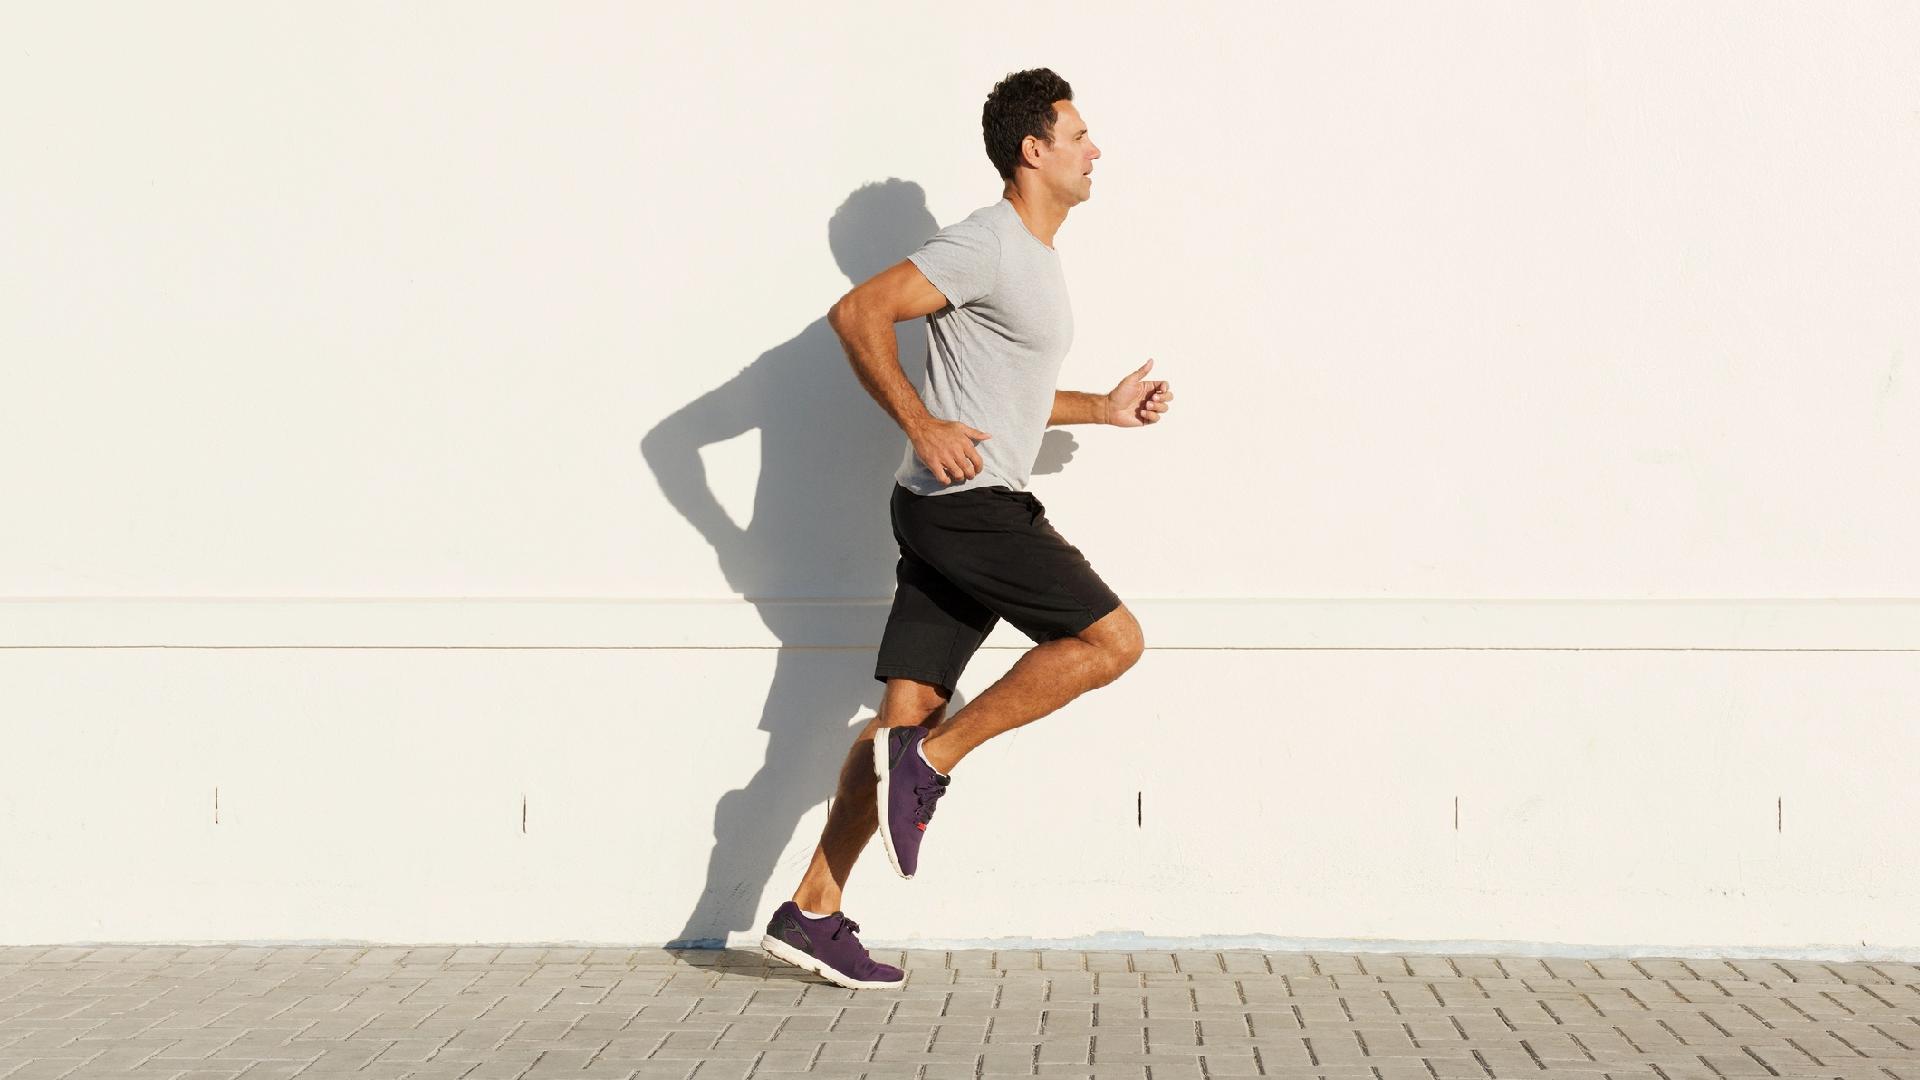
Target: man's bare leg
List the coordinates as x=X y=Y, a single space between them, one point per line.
x=1048 y=676
x=852 y=816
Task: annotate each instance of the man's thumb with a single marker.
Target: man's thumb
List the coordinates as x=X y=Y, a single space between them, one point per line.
x=1144 y=368
x=977 y=435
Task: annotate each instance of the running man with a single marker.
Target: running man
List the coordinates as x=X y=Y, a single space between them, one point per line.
x=975 y=545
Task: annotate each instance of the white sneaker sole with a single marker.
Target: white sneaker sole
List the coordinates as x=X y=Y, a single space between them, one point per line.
x=880 y=741
x=780 y=950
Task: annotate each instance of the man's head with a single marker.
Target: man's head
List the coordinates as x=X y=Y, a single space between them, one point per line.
x=1035 y=136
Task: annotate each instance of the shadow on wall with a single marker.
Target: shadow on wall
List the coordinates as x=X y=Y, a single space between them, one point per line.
x=819 y=529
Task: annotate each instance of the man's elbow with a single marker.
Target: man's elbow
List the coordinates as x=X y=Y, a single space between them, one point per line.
x=840 y=314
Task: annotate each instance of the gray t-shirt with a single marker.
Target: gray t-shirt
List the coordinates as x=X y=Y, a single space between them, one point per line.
x=994 y=353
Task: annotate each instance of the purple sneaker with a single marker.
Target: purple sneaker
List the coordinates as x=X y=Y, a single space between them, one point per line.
x=908 y=789
x=827 y=948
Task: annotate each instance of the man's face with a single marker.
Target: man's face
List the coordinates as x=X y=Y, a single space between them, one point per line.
x=1066 y=167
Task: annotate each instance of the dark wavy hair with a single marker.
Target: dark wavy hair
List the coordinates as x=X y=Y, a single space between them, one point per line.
x=1018 y=106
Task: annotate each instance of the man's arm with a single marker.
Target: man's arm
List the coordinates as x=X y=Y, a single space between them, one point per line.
x=1079 y=407
x=1136 y=402
x=864 y=320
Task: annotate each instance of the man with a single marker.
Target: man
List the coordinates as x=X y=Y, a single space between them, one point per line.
x=975 y=546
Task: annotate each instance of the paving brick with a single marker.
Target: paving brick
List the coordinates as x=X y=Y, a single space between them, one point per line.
x=1103 y=961
x=1151 y=961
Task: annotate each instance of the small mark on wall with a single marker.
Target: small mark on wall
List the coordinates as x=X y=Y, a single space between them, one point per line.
x=216 y=804
x=1779 y=812
x=1139 y=809
x=1456 y=813
x=523 y=815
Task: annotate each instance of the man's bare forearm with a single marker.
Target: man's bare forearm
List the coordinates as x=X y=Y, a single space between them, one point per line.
x=875 y=356
x=1076 y=407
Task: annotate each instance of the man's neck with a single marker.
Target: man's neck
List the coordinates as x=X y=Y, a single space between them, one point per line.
x=1041 y=214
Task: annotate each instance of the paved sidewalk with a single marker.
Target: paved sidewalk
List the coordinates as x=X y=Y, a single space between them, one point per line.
x=487 y=1013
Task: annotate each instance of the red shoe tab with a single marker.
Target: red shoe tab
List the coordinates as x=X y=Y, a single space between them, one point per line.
x=921 y=825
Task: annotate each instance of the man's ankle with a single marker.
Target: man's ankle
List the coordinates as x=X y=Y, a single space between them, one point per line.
x=930 y=753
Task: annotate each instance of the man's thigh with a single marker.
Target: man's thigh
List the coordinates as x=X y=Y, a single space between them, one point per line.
x=997 y=547
x=933 y=628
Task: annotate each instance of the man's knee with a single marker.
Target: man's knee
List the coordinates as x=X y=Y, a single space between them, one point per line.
x=1118 y=637
x=910 y=702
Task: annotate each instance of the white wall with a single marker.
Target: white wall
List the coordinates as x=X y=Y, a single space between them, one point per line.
x=420 y=425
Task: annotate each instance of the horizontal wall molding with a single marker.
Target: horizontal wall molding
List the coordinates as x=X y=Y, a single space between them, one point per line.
x=1216 y=624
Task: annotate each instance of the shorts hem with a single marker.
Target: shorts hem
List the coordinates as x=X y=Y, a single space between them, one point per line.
x=1094 y=616
x=940 y=679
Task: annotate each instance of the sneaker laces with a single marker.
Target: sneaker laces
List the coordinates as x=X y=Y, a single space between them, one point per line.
x=929 y=794
x=846 y=924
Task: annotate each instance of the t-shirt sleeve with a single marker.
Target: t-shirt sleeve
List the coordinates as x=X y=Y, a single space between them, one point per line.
x=961 y=260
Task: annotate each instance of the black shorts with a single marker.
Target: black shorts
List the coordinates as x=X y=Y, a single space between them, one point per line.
x=970 y=559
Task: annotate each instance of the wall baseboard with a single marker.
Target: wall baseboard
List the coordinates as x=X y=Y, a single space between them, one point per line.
x=563 y=623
